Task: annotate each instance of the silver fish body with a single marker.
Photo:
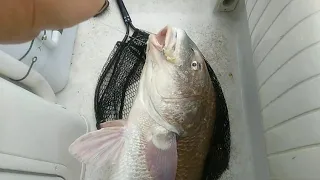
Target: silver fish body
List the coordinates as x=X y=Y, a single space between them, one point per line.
x=142 y=132
x=168 y=131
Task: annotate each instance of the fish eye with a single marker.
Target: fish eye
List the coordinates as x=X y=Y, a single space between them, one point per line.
x=195 y=65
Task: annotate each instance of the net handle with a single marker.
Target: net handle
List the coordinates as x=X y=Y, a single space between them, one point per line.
x=124 y=12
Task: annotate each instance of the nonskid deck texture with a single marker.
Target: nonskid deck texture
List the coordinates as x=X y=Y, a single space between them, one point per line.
x=215 y=36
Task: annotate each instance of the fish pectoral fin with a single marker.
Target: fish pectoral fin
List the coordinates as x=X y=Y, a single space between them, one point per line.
x=113 y=123
x=100 y=147
x=162 y=160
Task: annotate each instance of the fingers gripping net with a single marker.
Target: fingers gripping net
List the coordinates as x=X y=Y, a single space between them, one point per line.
x=117 y=88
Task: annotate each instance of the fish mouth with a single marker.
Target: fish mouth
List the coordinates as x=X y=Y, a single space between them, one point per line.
x=165 y=39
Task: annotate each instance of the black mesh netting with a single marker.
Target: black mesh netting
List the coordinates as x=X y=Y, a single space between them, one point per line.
x=117 y=87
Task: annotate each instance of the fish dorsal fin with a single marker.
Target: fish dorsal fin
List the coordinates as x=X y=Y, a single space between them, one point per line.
x=100 y=147
x=162 y=158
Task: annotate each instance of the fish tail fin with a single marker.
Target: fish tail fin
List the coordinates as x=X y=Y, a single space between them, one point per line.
x=102 y=146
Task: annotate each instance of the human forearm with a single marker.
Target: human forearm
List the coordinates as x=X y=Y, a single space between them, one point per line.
x=21 y=20
x=16 y=20
x=57 y=14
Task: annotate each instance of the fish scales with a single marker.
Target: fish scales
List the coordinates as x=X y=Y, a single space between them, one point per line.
x=192 y=151
x=169 y=128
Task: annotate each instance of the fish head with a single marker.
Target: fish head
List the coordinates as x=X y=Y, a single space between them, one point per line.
x=178 y=79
